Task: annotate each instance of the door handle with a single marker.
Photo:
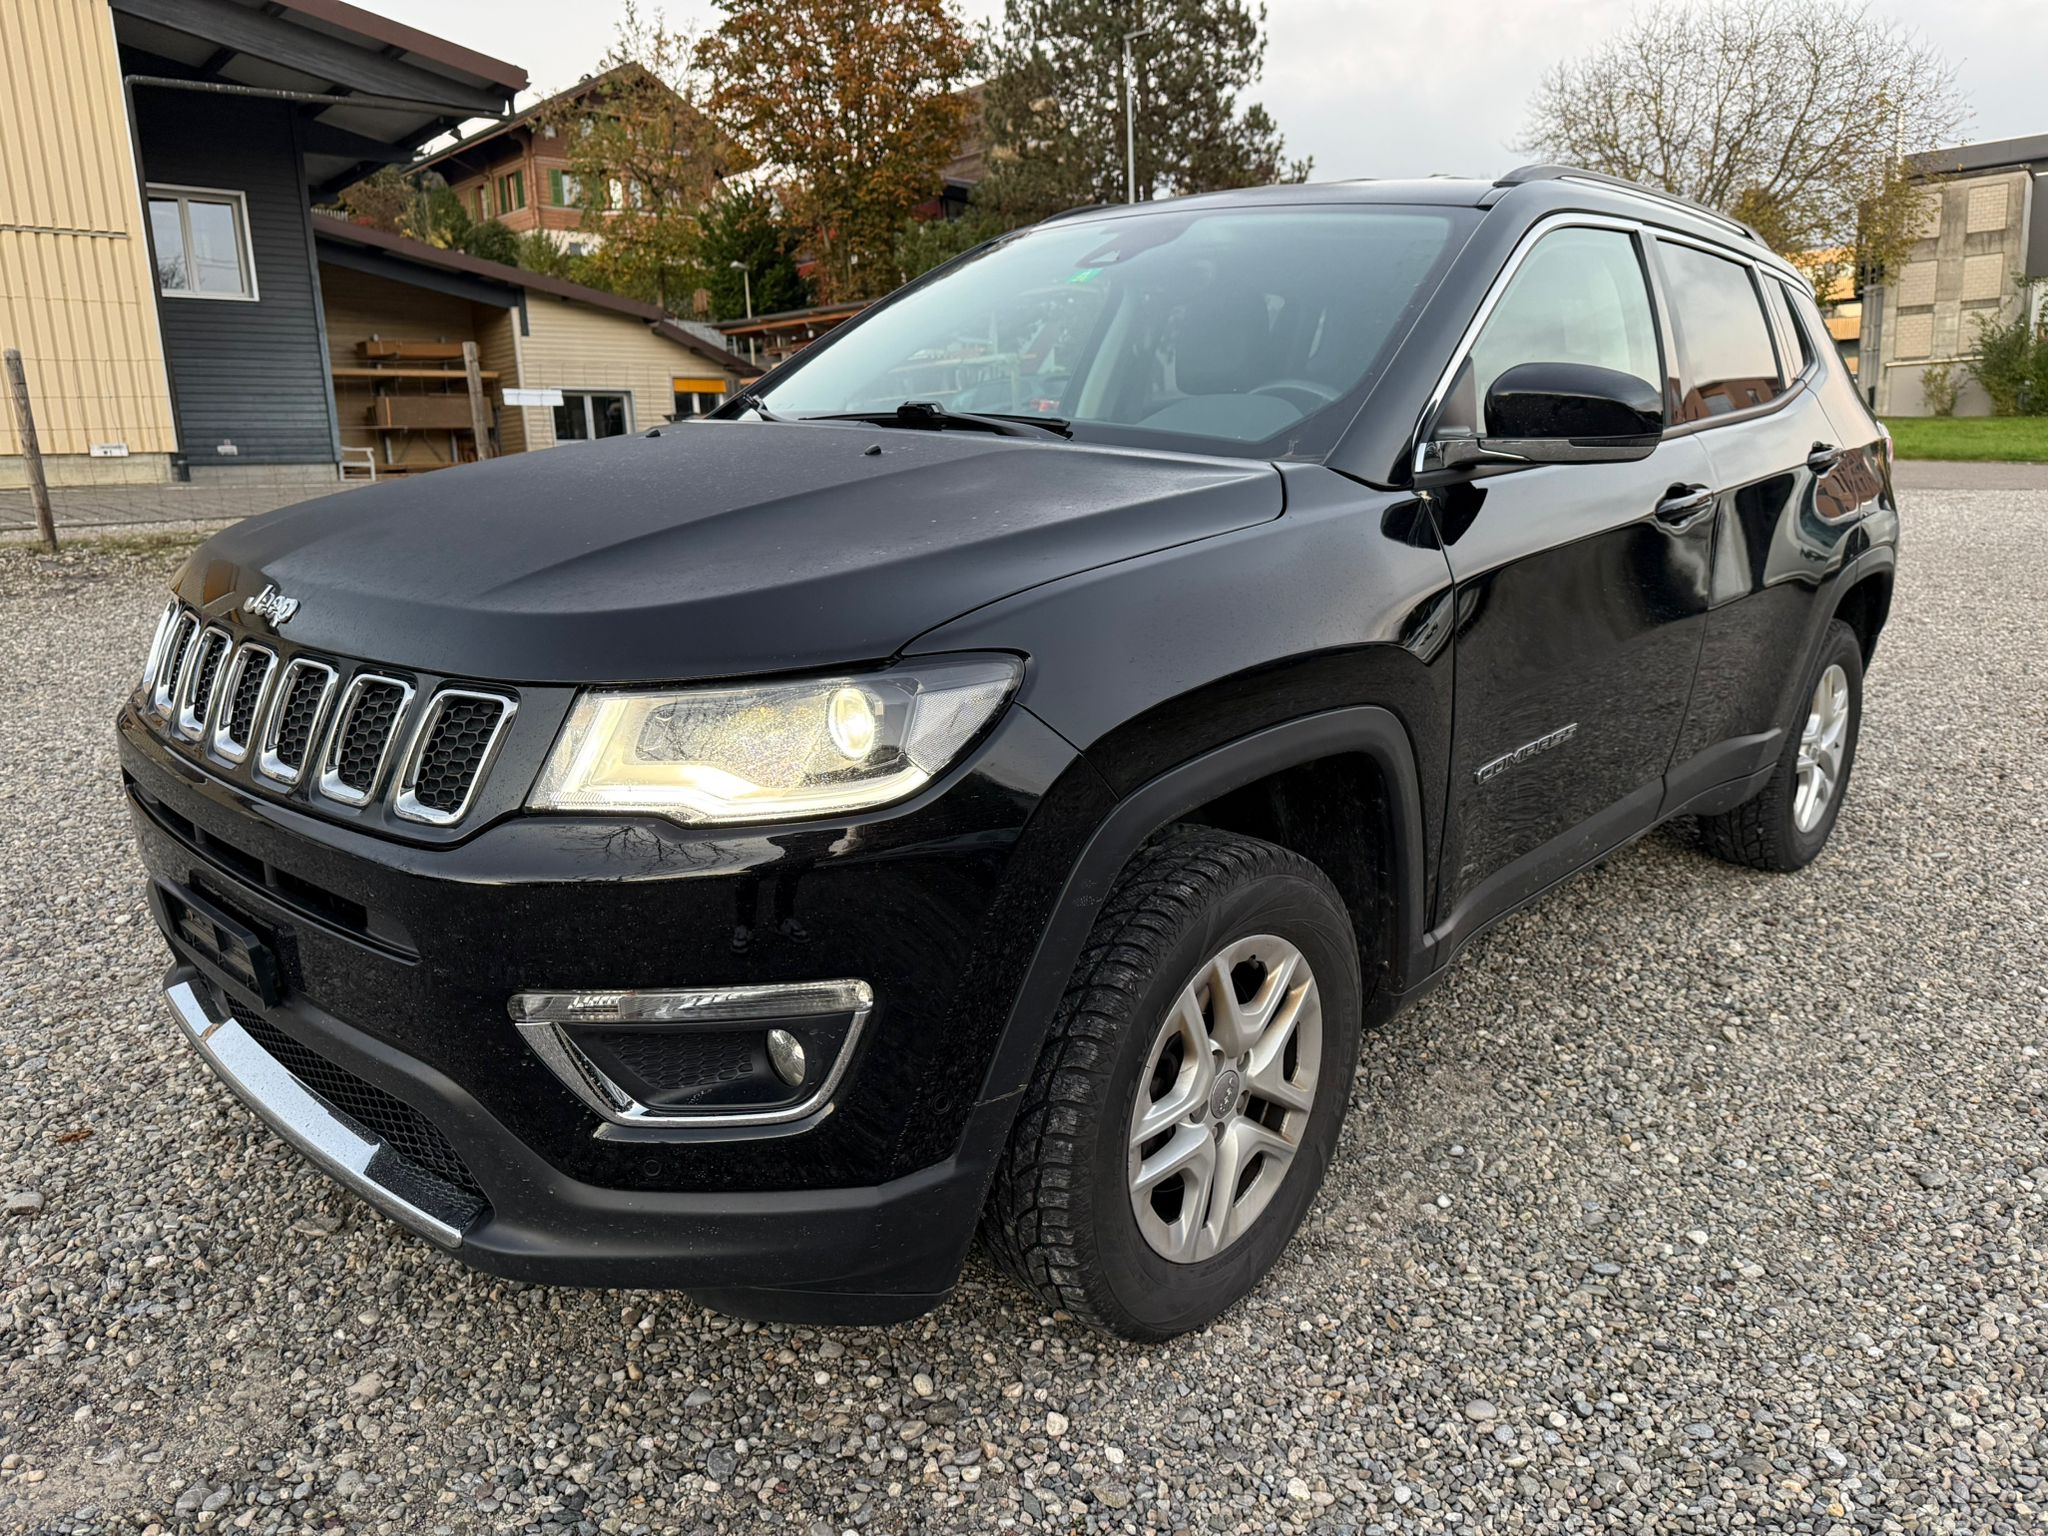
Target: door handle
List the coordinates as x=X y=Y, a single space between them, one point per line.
x=1684 y=505
x=1824 y=458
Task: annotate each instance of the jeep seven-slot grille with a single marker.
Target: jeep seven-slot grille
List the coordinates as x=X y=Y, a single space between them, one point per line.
x=365 y=733
x=458 y=741
x=248 y=693
x=323 y=730
x=297 y=713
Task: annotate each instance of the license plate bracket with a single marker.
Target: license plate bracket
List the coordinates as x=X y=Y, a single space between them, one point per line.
x=243 y=955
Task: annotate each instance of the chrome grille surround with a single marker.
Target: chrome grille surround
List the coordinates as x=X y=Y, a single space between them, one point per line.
x=268 y=763
x=224 y=742
x=170 y=665
x=199 y=681
x=158 y=644
x=340 y=738
x=408 y=803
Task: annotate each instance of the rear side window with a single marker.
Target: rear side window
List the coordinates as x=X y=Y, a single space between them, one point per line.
x=1729 y=361
x=1578 y=297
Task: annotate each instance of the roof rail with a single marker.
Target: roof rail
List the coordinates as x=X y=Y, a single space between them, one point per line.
x=1527 y=173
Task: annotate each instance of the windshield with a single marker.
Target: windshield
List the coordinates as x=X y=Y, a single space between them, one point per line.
x=1234 y=331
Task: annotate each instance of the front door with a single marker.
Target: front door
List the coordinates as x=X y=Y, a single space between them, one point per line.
x=1581 y=598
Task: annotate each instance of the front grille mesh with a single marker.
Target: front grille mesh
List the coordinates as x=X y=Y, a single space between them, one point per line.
x=255 y=673
x=197 y=698
x=296 y=714
x=408 y=1134
x=454 y=752
x=366 y=733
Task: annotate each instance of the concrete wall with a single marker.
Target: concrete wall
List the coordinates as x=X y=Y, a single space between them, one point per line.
x=76 y=291
x=1962 y=269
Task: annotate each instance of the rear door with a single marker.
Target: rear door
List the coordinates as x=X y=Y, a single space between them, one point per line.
x=1581 y=594
x=1752 y=387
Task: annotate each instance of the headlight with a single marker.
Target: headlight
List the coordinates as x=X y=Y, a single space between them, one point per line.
x=772 y=751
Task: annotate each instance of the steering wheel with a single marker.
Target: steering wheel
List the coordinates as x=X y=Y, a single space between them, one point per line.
x=1304 y=394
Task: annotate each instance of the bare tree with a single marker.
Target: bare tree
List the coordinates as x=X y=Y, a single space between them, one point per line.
x=1796 y=116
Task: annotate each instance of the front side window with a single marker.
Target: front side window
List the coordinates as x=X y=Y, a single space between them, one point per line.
x=202 y=243
x=1730 y=362
x=1221 y=331
x=585 y=414
x=1578 y=297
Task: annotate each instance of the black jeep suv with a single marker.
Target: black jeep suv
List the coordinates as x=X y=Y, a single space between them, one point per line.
x=988 y=774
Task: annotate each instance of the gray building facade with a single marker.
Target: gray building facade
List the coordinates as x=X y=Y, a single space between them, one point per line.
x=1983 y=231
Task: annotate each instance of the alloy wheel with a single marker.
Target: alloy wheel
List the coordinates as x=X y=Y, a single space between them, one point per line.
x=1225 y=1098
x=1820 y=749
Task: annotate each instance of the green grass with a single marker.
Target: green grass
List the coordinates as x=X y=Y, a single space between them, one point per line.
x=2008 y=439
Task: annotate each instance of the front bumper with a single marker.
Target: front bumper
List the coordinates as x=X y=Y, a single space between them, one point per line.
x=397 y=962
x=879 y=1254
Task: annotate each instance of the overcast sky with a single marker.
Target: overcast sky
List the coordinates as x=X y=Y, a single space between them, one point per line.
x=1368 y=87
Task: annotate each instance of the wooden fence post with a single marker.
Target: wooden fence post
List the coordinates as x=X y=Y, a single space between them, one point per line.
x=31 y=450
x=479 y=402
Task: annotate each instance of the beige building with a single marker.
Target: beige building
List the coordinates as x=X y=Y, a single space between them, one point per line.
x=1984 y=228
x=398 y=312
x=157 y=164
x=76 y=292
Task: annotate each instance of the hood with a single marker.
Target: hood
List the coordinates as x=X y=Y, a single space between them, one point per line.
x=712 y=549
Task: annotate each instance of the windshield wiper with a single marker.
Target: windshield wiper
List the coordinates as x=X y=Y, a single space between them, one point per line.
x=751 y=400
x=929 y=416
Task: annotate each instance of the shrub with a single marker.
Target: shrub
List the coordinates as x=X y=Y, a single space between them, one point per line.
x=1940 y=386
x=2012 y=359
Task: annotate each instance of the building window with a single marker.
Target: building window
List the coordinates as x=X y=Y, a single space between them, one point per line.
x=698 y=397
x=511 y=191
x=584 y=414
x=564 y=190
x=202 y=243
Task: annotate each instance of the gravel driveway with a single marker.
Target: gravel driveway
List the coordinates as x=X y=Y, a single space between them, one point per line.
x=1699 y=1199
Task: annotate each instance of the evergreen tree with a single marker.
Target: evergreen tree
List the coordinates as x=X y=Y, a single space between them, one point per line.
x=747 y=226
x=1054 y=108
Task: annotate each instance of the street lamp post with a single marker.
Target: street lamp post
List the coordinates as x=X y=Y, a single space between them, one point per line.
x=1131 y=113
x=746 y=283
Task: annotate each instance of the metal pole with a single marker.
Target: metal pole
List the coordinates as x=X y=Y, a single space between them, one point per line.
x=31 y=450
x=479 y=404
x=1131 y=112
x=747 y=283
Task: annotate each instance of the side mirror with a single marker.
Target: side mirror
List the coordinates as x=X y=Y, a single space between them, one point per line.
x=1572 y=413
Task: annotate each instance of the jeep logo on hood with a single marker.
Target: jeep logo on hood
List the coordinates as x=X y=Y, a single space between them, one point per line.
x=271 y=606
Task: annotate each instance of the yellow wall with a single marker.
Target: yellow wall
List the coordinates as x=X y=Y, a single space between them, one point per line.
x=575 y=346
x=498 y=348
x=75 y=284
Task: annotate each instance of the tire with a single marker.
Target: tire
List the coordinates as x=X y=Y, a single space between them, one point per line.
x=1062 y=1215
x=1765 y=832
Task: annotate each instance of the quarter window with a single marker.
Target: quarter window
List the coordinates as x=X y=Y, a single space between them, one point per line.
x=1730 y=362
x=202 y=243
x=1578 y=297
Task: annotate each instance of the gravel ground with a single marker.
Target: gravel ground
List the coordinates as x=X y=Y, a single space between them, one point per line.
x=1698 y=1200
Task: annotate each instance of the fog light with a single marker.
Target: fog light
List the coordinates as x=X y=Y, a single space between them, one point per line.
x=786 y=1056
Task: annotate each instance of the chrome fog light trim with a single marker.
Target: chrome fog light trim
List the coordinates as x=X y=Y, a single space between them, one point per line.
x=543 y=1019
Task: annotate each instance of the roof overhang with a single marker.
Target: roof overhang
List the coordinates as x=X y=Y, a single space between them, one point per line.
x=373 y=90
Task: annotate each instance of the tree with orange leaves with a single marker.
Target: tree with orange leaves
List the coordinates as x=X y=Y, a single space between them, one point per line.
x=857 y=103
